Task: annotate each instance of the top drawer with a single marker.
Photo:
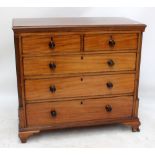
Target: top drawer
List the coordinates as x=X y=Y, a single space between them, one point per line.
x=43 y=44
x=102 y=42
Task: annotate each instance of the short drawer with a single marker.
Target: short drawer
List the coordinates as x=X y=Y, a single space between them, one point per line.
x=42 y=44
x=103 y=42
x=79 y=64
x=55 y=113
x=63 y=87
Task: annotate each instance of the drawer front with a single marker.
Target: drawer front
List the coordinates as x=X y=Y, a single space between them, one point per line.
x=79 y=64
x=101 y=42
x=79 y=86
x=41 y=44
x=53 y=113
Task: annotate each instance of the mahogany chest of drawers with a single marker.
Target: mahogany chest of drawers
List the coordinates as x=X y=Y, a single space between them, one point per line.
x=75 y=72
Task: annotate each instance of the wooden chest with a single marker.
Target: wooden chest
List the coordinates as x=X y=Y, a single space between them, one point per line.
x=75 y=72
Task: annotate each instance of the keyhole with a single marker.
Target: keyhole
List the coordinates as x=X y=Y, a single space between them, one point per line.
x=81 y=102
x=81 y=79
x=81 y=57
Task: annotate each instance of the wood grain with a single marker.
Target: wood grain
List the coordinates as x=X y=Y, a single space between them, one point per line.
x=95 y=42
x=136 y=98
x=74 y=111
x=40 y=44
x=81 y=75
x=79 y=86
x=79 y=64
x=20 y=81
x=76 y=24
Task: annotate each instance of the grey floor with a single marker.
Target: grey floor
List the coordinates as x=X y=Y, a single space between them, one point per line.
x=105 y=136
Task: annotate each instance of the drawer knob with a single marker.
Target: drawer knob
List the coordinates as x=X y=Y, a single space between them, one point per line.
x=52 y=65
x=53 y=113
x=111 y=42
x=108 y=108
x=109 y=85
x=51 y=44
x=53 y=89
x=110 y=63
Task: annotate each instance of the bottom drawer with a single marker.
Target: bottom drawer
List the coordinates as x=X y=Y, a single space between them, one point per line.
x=53 y=113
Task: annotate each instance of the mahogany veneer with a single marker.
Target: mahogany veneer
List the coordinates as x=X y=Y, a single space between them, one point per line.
x=75 y=72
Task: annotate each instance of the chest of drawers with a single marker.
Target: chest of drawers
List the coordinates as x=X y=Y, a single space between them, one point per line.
x=75 y=72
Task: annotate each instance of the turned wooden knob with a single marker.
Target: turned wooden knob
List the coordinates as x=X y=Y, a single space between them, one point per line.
x=52 y=65
x=109 y=85
x=51 y=44
x=53 y=89
x=108 y=108
x=111 y=42
x=110 y=63
x=53 y=113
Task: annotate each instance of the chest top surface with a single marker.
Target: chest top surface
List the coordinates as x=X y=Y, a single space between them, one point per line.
x=113 y=23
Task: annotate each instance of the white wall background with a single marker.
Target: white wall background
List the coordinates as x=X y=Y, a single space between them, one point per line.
x=7 y=54
x=8 y=88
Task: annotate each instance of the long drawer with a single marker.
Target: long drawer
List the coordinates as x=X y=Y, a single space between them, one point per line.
x=54 y=113
x=102 y=42
x=79 y=64
x=62 y=87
